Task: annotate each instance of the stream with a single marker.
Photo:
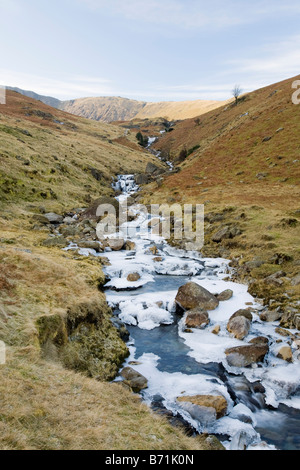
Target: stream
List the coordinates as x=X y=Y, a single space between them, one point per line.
x=263 y=399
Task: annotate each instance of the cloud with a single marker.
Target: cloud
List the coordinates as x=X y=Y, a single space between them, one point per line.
x=194 y=14
x=272 y=60
x=63 y=88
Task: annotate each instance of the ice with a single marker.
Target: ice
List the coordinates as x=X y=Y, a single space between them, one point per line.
x=147 y=309
x=178 y=267
x=147 y=317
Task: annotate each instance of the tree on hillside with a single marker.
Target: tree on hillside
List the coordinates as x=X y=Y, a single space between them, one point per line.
x=236 y=93
x=142 y=139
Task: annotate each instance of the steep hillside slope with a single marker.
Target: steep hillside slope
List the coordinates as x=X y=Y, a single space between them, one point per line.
x=104 y=109
x=175 y=110
x=243 y=163
x=53 y=161
x=111 y=108
x=58 y=159
x=49 y=100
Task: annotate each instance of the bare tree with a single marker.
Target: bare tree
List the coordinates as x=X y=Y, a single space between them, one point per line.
x=236 y=93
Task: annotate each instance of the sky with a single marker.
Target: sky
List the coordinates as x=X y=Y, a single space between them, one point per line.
x=154 y=50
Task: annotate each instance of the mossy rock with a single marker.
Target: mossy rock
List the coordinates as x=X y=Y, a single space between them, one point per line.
x=266 y=291
x=95 y=349
x=84 y=340
x=264 y=270
x=52 y=328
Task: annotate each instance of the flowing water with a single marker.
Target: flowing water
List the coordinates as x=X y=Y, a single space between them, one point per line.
x=263 y=400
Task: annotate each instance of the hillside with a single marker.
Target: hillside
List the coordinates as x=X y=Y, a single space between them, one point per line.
x=49 y=100
x=53 y=397
x=177 y=110
x=52 y=157
x=243 y=163
x=110 y=108
x=104 y=109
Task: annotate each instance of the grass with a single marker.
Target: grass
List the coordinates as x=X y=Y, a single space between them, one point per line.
x=48 y=400
x=44 y=405
x=60 y=161
x=236 y=167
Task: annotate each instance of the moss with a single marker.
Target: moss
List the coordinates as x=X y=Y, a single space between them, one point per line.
x=267 y=291
x=264 y=270
x=84 y=340
x=52 y=328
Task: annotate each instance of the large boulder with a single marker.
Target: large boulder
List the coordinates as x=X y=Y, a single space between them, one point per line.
x=191 y=295
x=225 y=233
x=59 y=242
x=134 y=379
x=196 y=318
x=217 y=402
x=133 y=277
x=242 y=312
x=115 y=244
x=285 y=353
x=54 y=218
x=270 y=315
x=244 y=356
x=239 y=326
x=91 y=211
x=92 y=245
x=225 y=295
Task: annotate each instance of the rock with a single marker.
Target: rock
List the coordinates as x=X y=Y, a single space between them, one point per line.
x=283 y=332
x=217 y=402
x=270 y=315
x=158 y=259
x=69 y=230
x=191 y=295
x=239 y=326
x=142 y=178
x=115 y=244
x=242 y=313
x=285 y=353
x=152 y=168
x=225 y=295
x=41 y=219
x=216 y=330
x=129 y=245
x=91 y=211
x=196 y=318
x=92 y=245
x=261 y=176
x=133 y=277
x=225 y=233
x=59 y=242
x=244 y=356
x=259 y=340
x=209 y=442
x=54 y=218
x=266 y=139
x=295 y=280
x=290 y=318
x=275 y=278
x=69 y=221
x=154 y=250
x=134 y=379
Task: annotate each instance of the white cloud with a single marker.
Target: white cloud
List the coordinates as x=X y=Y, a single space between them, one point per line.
x=215 y=14
x=272 y=60
x=64 y=88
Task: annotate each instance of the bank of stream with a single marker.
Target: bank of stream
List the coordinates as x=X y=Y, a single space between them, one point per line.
x=263 y=400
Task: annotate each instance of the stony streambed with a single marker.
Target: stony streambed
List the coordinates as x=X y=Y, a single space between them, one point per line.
x=238 y=381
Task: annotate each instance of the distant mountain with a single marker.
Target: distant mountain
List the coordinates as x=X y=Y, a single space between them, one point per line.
x=54 y=102
x=107 y=109
x=112 y=108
